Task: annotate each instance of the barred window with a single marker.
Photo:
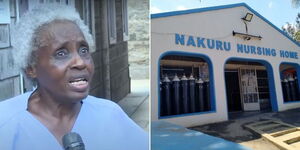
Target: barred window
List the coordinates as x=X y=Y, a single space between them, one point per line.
x=185 y=85
x=289 y=74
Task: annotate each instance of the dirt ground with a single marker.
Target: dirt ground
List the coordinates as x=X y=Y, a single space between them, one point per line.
x=234 y=129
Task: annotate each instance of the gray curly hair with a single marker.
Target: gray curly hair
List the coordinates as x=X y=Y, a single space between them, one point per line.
x=25 y=33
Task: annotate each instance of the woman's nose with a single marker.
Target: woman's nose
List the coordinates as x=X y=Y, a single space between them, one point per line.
x=78 y=62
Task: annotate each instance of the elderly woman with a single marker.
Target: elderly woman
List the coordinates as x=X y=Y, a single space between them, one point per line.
x=54 y=47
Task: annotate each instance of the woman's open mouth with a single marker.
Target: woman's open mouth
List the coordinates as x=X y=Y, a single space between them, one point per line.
x=79 y=84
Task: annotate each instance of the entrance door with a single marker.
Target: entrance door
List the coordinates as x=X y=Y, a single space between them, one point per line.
x=233 y=91
x=248 y=87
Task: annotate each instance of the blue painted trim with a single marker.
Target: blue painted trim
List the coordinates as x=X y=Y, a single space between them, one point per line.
x=271 y=81
x=297 y=66
x=211 y=79
x=196 y=10
x=199 y=10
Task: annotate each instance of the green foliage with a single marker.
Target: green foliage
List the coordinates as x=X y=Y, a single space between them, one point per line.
x=293 y=30
x=297 y=36
x=289 y=29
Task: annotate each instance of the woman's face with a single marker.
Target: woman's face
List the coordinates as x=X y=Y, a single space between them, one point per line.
x=64 y=67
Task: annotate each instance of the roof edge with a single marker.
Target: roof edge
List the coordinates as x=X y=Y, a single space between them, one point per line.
x=198 y=10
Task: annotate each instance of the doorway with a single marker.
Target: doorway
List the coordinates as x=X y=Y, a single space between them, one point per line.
x=233 y=91
x=247 y=87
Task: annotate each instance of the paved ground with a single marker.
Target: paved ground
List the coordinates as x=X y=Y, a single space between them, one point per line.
x=136 y=104
x=234 y=130
x=168 y=136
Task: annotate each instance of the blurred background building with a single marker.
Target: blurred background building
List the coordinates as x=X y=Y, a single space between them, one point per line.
x=138 y=44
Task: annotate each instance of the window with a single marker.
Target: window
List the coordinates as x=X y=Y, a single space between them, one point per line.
x=289 y=81
x=4 y=23
x=86 y=11
x=125 y=20
x=4 y=36
x=25 y=5
x=112 y=28
x=185 y=85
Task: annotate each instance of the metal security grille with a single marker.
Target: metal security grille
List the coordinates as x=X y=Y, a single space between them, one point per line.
x=248 y=88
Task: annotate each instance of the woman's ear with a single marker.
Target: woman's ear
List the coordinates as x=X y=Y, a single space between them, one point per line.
x=31 y=72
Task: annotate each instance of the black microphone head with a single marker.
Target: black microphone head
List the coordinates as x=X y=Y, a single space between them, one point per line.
x=72 y=141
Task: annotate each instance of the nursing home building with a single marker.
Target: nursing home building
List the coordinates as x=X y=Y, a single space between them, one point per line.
x=209 y=63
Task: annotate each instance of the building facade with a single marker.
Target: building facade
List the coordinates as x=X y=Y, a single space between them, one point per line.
x=211 y=62
x=108 y=23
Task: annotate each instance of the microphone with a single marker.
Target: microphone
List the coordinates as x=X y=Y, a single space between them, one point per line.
x=72 y=141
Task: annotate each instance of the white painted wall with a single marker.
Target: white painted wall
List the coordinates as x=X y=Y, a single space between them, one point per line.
x=217 y=25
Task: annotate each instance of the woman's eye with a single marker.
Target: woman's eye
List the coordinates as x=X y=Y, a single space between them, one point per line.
x=61 y=53
x=83 y=50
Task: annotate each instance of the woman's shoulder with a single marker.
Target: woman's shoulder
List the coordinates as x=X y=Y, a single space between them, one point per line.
x=120 y=125
x=103 y=108
x=12 y=106
x=103 y=103
x=14 y=103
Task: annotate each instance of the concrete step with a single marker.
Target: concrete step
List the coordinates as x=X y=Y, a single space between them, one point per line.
x=262 y=123
x=283 y=135
x=289 y=136
x=296 y=145
x=280 y=133
x=268 y=126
